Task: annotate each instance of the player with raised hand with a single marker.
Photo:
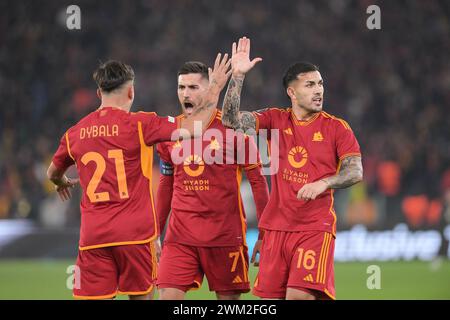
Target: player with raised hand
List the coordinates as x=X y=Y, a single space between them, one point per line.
x=112 y=149
x=201 y=114
x=206 y=231
x=318 y=153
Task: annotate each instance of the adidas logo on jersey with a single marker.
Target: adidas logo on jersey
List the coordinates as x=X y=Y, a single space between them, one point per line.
x=288 y=131
x=308 y=278
x=237 y=279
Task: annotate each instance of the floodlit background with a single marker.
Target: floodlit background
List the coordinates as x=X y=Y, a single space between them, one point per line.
x=391 y=84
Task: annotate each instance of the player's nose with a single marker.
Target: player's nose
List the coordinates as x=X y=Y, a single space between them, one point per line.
x=318 y=91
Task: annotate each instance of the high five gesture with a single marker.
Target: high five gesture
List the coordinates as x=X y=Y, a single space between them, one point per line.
x=240 y=59
x=240 y=65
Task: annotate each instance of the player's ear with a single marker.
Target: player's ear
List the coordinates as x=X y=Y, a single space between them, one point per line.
x=291 y=93
x=131 y=92
x=99 y=94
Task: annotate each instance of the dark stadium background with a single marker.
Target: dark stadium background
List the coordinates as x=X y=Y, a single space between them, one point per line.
x=392 y=85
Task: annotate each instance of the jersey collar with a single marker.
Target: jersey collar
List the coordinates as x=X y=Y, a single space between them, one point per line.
x=303 y=122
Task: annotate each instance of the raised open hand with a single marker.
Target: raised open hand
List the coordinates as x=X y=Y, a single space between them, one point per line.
x=240 y=59
x=219 y=75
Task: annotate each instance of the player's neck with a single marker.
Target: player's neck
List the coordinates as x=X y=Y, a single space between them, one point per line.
x=211 y=112
x=115 y=104
x=302 y=114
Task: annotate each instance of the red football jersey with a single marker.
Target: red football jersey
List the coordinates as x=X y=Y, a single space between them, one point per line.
x=113 y=152
x=308 y=151
x=207 y=209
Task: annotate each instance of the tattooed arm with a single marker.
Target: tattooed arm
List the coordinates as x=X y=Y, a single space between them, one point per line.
x=351 y=172
x=240 y=64
x=231 y=116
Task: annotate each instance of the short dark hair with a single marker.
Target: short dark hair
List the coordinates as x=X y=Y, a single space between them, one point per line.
x=112 y=74
x=294 y=70
x=194 y=67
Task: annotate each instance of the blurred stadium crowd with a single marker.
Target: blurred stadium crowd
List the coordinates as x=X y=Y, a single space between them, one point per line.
x=392 y=85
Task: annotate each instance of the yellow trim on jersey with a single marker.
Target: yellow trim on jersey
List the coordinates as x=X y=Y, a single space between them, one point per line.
x=147 y=167
x=279 y=109
x=338 y=167
x=114 y=244
x=107 y=296
x=213 y=117
x=256 y=122
x=219 y=115
x=150 y=113
x=244 y=264
x=321 y=272
x=199 y=285
x=266 y=110
x=241 y=212
x=345 y=124
x=342 y=121
x=329 y=294
x=68 y=146
x=252 y=166
x=324 y=267
x=300 y=122
x=319 y=268
x=331 y=209
x=178 y=121
x=349 y=155
x=333 y=227
x=255 y=284
x=137 y=293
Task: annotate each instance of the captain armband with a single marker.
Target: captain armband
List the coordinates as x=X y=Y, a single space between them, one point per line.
x=165 y=168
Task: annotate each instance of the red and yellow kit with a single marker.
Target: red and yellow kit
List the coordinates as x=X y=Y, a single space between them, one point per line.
x=207 y=209
x=183 y=267
x=108 y=271
x=206 y=230
x=112 y=150
x=308 y=151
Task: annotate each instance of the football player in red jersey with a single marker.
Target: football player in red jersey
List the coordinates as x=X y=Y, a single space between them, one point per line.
x=112 y=149
x=318 y=153
x=206 y=230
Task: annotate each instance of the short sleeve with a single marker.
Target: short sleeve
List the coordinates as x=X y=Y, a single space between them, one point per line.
x=263 y=119
x=63 y=158
x=346 y=142
x=157 y=129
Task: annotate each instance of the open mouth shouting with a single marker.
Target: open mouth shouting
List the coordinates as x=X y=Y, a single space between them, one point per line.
x=188 y=107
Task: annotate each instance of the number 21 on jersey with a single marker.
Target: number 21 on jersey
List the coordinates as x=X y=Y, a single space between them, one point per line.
x=100 y=168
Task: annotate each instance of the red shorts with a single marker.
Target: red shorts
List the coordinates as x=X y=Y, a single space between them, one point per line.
x=106 y=272
x=183 y=267
x=298 y=260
